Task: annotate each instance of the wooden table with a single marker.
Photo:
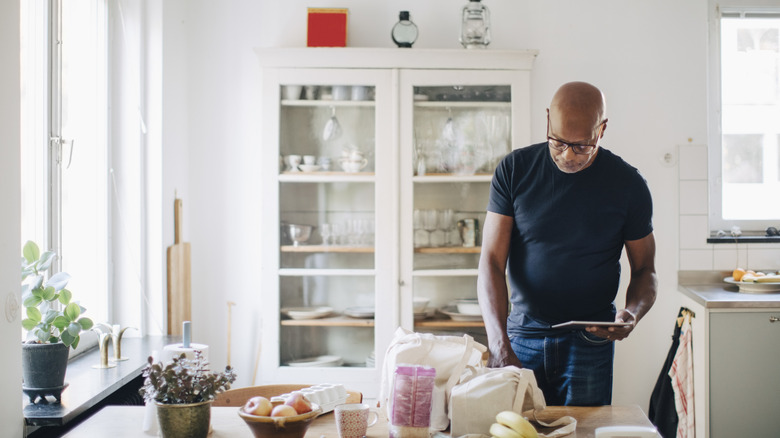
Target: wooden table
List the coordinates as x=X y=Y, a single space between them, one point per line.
x=126 y=422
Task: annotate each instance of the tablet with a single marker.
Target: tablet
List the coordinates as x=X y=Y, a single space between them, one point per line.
x=583 y=324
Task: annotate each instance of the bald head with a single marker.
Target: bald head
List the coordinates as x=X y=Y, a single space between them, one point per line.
x=579 y=103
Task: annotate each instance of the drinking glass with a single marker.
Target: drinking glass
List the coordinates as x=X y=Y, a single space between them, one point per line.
x=430 y=224
x=420 y=235
x=326 y=231
x=446 y=224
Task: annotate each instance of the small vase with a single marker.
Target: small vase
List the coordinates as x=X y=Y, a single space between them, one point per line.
x=185 y=420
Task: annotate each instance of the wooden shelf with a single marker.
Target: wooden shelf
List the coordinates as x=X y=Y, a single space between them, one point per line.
x=333 y=321
x=445 y=322
x=448 y=250
x=327 y=248
x=326 y=173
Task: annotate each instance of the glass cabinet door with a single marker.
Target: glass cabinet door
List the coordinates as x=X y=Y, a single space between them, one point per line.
x=330 y=272
x=459 y=125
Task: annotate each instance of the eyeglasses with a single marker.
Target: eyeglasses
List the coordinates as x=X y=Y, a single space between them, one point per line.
x=577 y=148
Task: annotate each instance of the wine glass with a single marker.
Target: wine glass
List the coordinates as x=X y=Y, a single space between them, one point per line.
x=420 y=235
x=446 y=224
x=430 y=224
x=326 y=231
x=332 y=129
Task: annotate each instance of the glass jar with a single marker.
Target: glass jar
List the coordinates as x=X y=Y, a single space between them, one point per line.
x=475 y=25
x=404 y=32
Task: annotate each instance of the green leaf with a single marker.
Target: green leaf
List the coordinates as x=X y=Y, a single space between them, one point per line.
x=49 y=293
x=75 y=342
x=32 y=301
x=60 y=322
x=34 y=314
x=51 y=315
x=65 y=296
x=74 y=328
x=31 y=252
x=46 y=260
x=28 y=324
x=85 y=323
x=67 y=338
x=58 y=280
x=72 y=312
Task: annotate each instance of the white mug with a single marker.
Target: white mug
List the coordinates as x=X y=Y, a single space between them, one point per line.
x=359 y=92
x=309 y=159
x=292 y=92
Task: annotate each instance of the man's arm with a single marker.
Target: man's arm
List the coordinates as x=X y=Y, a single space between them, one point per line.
x=642 y=288
x=492 y=289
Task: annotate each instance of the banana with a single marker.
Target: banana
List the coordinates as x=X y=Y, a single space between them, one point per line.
x=771 y=278
x=501 y=431
x=516 y=422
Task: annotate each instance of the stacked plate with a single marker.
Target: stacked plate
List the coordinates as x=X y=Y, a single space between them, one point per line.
x=307 y=312
x=371 y=360
x=359 y=312
x=318 y=361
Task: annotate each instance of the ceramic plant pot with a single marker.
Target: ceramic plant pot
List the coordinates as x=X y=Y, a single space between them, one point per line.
x=43 y=370
x=185 y=420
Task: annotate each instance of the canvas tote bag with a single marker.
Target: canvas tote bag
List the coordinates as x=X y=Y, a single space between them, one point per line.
x=449 y=355
x=482 y=393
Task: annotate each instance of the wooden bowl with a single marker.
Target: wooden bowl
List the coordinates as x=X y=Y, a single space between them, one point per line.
x=280 y=427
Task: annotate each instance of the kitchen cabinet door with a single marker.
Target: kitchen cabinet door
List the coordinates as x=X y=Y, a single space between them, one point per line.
x=744 y=389
x=328 y=281
x=456 y=125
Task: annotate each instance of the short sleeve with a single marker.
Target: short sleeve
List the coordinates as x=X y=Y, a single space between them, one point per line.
x=501 y=201
x=640 y=212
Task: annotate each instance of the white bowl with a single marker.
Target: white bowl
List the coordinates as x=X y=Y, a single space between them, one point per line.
x=309 y=167
x=419 y=304
x=468 y=307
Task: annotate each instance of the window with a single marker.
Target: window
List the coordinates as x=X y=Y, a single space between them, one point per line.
x=745 y=127
x=64 y=141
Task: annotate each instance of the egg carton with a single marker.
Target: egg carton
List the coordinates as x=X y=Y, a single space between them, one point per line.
x=327 y=395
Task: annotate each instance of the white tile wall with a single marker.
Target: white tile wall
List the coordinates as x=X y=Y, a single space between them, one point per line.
x=693 y=197
x=696 y=259
x=693 y=232
x=695 y=253
x=695 y=159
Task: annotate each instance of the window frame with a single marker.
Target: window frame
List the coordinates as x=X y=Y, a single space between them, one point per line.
x=716 y=221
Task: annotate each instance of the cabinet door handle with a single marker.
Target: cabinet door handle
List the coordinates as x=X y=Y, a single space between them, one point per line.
x=773 y=319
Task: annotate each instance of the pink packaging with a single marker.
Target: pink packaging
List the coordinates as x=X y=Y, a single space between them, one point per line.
x=411 y=401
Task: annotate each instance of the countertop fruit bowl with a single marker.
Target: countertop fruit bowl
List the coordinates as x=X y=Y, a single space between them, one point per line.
x=294 y=426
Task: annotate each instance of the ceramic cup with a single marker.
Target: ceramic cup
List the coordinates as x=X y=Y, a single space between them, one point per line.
x=292 y=92
x=341 y=92
x=310 y=92
x=359 y=92
x=293 y=161
x=350 y=165
x=352 y=419
x=309 y=160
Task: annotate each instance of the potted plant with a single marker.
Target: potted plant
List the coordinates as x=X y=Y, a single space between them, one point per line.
x=183 y=391
x=53 y=324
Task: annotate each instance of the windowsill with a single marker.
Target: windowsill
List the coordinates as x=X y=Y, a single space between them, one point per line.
x=744 y=239
x=88 y=386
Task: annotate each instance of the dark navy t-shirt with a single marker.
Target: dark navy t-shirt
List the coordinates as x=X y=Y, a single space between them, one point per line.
x=568 y=235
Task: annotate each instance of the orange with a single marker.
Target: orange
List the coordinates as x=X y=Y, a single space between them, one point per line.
x=738 y=274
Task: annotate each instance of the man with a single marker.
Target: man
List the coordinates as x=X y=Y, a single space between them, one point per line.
x=559 y=215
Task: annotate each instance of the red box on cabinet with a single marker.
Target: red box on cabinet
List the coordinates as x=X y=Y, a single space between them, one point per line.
x=326 y=27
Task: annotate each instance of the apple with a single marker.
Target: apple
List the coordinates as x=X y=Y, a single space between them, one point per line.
x=258 y=405
x=283 y=411
x=299 y=402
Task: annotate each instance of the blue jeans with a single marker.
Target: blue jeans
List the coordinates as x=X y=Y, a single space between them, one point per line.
x=572 y=369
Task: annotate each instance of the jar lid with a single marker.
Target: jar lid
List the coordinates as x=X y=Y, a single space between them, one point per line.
x=403 y=16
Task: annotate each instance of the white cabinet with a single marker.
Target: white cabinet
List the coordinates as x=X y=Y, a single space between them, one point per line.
x=403 y=145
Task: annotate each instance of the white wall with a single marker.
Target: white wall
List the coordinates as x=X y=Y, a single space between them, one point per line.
x=648 y=56
x=10 y=222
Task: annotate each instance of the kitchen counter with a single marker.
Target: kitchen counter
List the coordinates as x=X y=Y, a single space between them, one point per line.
x=708 y=289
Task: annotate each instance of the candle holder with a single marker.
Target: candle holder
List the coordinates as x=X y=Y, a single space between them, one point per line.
x=104 y=334
x=116 y=342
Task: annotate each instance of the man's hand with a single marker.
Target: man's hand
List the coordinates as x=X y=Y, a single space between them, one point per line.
x=502 y=357
x=616 y=333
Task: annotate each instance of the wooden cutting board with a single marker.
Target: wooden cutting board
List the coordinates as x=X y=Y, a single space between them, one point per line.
x=179 y=300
